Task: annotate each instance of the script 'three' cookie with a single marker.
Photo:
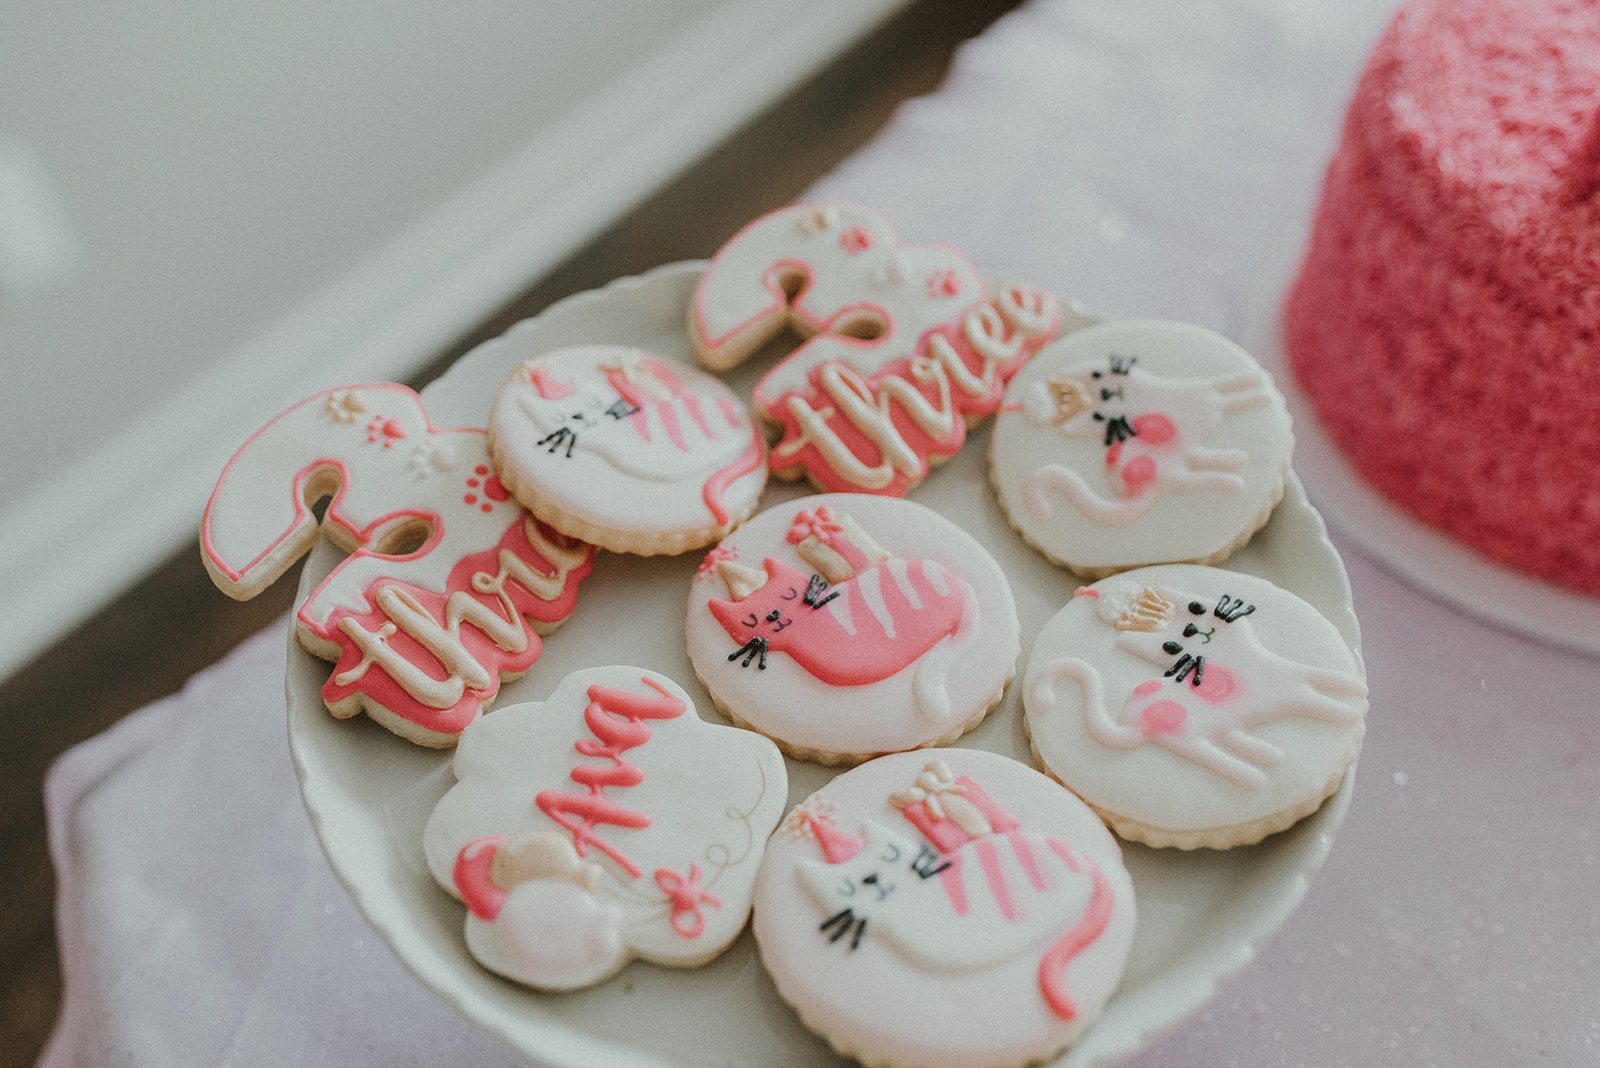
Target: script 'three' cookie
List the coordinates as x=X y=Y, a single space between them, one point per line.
x=1140 y=442
x=606 y=823
x=950 y=907
x=449 y=584
x=906 y=346
x=1193 y=706
x=626 y=450
x=844 y=626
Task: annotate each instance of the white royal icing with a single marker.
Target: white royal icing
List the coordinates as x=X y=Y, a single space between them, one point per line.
x=1187 y=698
x=630 y=828
x=1139 y=442
x=916 y=637
x=625 y=439
x=945 y=907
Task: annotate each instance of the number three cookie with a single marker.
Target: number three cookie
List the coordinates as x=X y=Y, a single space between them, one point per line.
x=908 y=345
x=449 y=582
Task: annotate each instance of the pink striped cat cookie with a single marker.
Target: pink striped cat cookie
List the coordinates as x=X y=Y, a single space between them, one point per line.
x=605 y=823
x=845 y=626
x=906 y=344
x=944 y=908
x=1192 y=706
x=1140 y=442
x=449 y=583
x=626 y=450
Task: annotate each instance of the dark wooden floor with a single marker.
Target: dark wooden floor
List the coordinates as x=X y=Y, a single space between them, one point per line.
x=173 y=623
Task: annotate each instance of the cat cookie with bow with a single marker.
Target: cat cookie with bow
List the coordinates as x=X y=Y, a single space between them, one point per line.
x=945 y=908
x=604 y=824
x=905 y=343
x=626 y=450
x=449 y=583
x=1140 y=442
x=844 y=626
x=1195 y=707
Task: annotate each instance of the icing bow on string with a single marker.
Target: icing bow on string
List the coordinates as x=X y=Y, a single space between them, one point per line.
x=816 y=523
x=686 y=897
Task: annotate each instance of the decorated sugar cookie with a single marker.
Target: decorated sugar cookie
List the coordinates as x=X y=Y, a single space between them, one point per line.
x=449 y=583
x=1193 y=706
x=947 y=907
x=626 y=450
x=907 y=344
x=606 y=823
x=845 y=625
x=1140 y=442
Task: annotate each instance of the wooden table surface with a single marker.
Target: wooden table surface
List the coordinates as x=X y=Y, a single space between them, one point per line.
x=174 y=622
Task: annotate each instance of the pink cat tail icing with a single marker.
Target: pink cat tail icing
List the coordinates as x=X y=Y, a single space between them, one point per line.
x=472 y=879
x=1053 y=966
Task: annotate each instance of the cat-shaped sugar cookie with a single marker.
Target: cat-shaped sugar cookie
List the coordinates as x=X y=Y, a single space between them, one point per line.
x=1226 y=674
x=946 y=883
x=1140 y=442
x=625 y=449
x=839 y=646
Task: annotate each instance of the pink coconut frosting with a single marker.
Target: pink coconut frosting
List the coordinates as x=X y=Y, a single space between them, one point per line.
x=1445 y=324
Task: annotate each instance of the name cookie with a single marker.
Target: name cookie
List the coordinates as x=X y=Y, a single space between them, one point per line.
x=944 y=908
x=1193 y=706
x=907 y=344
x=449 y=583
x=606 y=823
x=626 y=450
x=1140 y=442
x=843 y=626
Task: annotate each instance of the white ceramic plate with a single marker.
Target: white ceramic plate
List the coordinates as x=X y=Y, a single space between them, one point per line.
x=1202 y=916
x=1417 y=552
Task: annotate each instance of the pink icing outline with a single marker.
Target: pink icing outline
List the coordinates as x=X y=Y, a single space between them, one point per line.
x=471 y=876
x=301 y=510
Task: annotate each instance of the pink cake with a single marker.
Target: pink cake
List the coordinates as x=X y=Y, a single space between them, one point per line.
x=1446 y=322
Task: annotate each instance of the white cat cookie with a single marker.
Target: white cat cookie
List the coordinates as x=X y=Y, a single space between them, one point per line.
x=844 y=626
x=606 y=823
x=944 y=908
x=1140 y=442
x=449 y=584
x=907 y=344
x=626 y=450
x=1193 y=706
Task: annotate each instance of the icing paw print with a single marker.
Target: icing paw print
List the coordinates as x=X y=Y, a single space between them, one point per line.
x=920 y=896
x=1180 y=661
x=442 y=592
x=631 y=828
x=484 y=489
x=625 y=449
x=845 y=640
x=1138 y=443
x=905 y=344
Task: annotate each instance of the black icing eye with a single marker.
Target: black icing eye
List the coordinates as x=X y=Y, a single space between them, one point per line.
x=792 y=594
x=1196 y=608
x=1094 y=374
x=1172 y=648
x=751 y=620
x=891 y=854
x=1189 y=631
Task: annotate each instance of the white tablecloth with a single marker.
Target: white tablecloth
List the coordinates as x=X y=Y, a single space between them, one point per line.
x=1151 y=159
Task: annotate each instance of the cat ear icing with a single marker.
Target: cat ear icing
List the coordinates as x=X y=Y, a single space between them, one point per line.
x=741 y=581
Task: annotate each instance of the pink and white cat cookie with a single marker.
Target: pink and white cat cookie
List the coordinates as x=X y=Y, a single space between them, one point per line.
x=1140 y=442
x=906 y=343
x=945 y=908
x=449 y=584
x=626 y=450
x=1193 y=706
x=845 y=625
x=605 y=823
